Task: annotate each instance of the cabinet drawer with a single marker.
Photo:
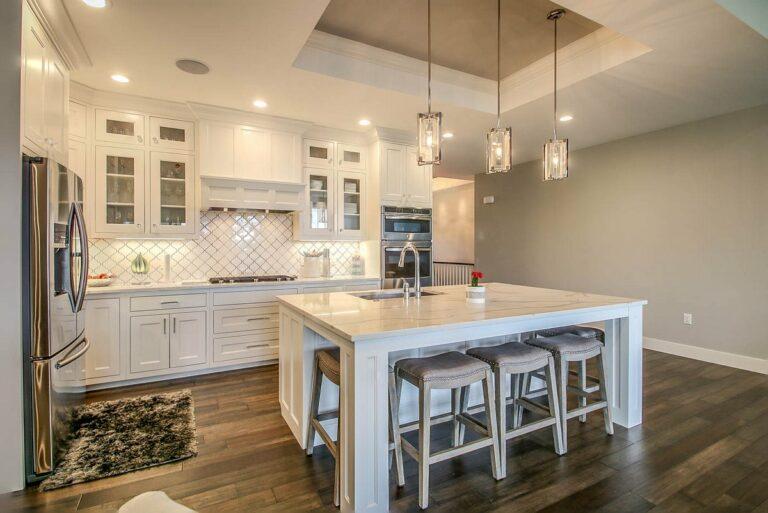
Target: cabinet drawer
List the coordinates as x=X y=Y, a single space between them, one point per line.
x=245 y=319
x=238 y=347
x=250 y=296
x=144 y=303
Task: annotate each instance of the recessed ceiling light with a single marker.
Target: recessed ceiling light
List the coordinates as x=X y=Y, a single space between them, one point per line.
x=261 y=104
x=192 y=66
x=448 y=135
x=99 y=4
x=364 y=122
x=120 y=78
x=565 y=118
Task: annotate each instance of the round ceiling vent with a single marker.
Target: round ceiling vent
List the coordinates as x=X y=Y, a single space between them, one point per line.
x=192 y=66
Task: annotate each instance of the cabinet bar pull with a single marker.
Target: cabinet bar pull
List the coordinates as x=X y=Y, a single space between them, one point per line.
x=257 y=319
x=254 y=346
x=174 y=324
x=169 y=302
x=165 y=326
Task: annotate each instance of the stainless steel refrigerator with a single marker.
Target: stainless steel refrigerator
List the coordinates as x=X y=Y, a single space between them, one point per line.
x=55 y=263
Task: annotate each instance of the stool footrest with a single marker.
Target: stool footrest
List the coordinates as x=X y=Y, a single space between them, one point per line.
x=530 y=405
x=529 y=428
x=577 y=412
x=447 y=454
x=329 y=442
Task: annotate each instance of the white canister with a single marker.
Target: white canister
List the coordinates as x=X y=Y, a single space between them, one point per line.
x=312 y=267
x=476 y=294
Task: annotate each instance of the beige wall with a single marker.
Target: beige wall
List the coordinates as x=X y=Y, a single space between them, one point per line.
x=453 y=229
x=678 y=216
x=11 y=468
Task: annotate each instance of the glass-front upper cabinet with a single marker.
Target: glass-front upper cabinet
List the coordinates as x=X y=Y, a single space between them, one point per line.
x=173 y=193
x=171 y=134
x=318 y=222
x=121 y=127
x=350 y=157
x=351 y=200
x=119 y=190
x=319 y=153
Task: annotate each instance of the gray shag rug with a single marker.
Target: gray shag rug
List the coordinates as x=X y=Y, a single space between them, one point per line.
x=114 y=437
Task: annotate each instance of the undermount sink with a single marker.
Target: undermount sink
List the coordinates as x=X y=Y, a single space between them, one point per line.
x=390 y=294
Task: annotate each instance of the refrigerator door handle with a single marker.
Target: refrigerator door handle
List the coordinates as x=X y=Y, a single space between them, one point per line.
x=77 y=222
x=71 y=357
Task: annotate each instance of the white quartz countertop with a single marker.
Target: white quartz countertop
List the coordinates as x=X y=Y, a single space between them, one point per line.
x=196 y=285
x=359 y=319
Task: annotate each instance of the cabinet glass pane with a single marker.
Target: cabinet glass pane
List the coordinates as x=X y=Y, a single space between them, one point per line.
x=351 y=204
x=120 y=189
x=318 y=152
x=168 y=133
x=173 y=187
x=119 y=127
x=352 y=156
x=318 y=202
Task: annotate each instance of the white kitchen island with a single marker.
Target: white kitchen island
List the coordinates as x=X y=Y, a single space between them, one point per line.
x=368 y=332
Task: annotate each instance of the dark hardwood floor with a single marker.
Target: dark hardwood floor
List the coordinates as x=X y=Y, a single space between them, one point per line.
x=703 y=446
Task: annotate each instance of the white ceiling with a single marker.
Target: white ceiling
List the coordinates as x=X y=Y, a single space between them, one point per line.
x=703 y=61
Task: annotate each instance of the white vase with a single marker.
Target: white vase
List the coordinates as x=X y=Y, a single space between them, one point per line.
x=476 y=294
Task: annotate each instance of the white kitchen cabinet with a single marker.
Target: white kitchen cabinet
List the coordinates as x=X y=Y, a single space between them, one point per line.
x=285 y=157
x=171 y=134
x=119 y=194
x=403 y=182
x=350 y=157
x=350 y=201
x=317 y=219
x=393 y=165
x=187 y=339
x=119 y=127
x=77 y=157
x=102 y=329
x=252 y=155
x=172 y=193
x=150 y=343
x=319 y=154
x=418 y=181
x=217 y=149
x=78 y=124
x=35 y=45
x=56 y=106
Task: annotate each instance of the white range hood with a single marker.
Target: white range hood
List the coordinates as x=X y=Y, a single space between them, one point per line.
x=237 y=194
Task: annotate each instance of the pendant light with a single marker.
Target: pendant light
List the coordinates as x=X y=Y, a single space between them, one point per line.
x=498 y=141
x=429 y=123
x=555 y=150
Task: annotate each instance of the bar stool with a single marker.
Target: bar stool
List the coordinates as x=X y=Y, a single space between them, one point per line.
x=327 y=364
x=573 y=348
x=451 y=370
x=514 y=359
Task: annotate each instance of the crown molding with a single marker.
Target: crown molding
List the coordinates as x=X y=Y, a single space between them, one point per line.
x=227 y=115
x=54 y=18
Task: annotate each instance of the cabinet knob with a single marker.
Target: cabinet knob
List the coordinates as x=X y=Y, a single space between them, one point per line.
x=140 y=138
x=138 y=225
x=154 y=140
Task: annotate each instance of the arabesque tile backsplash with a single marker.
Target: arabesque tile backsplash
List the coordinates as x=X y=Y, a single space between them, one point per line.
x=230 y=244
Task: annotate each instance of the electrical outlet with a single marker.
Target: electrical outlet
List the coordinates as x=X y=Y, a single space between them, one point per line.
x=488 y=200
x=688 y=318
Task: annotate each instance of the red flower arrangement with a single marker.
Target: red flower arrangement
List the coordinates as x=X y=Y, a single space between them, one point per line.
x=476 y=275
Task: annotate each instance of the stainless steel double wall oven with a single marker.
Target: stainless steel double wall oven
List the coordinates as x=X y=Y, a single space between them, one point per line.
x=400 y=225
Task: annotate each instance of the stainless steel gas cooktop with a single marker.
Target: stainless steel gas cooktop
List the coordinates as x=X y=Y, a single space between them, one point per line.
x=251 y=279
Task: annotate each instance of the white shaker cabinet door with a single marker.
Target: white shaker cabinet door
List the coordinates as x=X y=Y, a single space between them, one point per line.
x=418 y=181
x=319 y=153
x=56 y=106
x=187 y=338
x=217 y=149
x=171 y=134
x=149 y=343
x=172 y=191
x=121 y=127
x=34 y=46
x=393 y=169
x=351 y=158
x=102 y=329
x=119 y=192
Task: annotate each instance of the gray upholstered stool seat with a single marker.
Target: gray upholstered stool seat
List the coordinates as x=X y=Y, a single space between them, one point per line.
x=445 y=370
x=451 y=370
x=570 y=345
x=512 y=354
x=581 y=331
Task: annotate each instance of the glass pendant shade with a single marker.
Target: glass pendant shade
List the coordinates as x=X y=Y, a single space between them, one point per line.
x=430 y=135
x=498 y=150
x=556 y=159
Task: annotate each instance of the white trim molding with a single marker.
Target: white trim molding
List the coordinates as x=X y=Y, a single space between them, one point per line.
x=738 y=361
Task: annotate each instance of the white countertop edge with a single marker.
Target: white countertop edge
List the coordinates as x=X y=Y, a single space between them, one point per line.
x=464 y=324
x=179 y=286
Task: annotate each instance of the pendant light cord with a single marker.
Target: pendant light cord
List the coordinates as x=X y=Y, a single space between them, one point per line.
x=429 y=56
x=498 y=64
x=554 y=112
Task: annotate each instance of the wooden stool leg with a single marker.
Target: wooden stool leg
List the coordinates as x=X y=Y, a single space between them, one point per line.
x=394 y=428
x=525 y=388
x=501 y=423
x=317 y=382
x=424 y=428
x=554 y=406
x=515 y=386
x=604 y=393
x=561 y=376
x=337 y=463
x=463 y=405
x=490 y=412
x=583 y=386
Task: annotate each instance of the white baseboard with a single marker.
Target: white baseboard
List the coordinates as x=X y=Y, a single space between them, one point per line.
x=738 y=361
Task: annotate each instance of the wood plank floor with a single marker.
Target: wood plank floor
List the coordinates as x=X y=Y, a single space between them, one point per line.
x=703 y=447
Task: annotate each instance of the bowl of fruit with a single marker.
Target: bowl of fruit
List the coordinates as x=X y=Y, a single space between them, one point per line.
x=100 y=280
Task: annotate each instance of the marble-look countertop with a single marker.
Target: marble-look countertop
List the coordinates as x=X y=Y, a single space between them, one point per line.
x=357 y=319
x=195 y=285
